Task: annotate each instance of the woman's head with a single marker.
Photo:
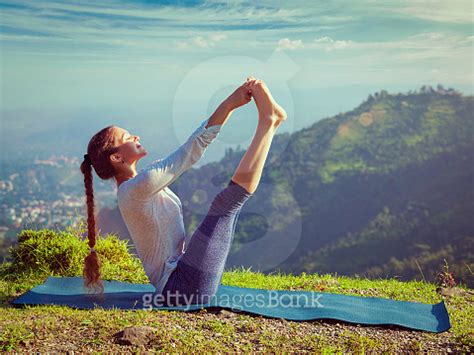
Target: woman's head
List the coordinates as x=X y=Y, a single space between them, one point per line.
x=128 y=149
x=113 y=152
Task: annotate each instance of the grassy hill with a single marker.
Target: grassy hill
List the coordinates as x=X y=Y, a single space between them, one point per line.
x=44 y=253
x=383 y=190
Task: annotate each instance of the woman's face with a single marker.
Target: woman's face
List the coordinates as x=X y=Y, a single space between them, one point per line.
x=130 y=149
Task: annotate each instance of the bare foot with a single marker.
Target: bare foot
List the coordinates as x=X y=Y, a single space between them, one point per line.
x=268 y=109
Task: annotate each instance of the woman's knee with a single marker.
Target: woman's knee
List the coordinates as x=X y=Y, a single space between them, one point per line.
x=230 y=200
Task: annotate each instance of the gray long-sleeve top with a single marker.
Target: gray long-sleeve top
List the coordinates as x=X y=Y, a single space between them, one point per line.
x=153 y=213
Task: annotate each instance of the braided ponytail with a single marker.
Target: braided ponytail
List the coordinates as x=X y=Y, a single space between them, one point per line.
x=99 y=149
x=91 y=270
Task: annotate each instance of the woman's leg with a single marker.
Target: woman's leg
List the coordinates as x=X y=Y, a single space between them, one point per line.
x=199 y=271
x=270 y=116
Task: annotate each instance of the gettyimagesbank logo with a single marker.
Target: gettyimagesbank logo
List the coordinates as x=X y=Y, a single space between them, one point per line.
x=270 y=299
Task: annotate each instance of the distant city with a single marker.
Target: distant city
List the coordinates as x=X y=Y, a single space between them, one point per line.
x=45 y=193
x=57 y=161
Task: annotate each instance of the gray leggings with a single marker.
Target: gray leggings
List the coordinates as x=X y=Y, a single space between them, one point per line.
x=199 y=271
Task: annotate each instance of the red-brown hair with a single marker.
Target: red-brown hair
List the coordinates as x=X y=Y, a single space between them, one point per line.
x=99 y=149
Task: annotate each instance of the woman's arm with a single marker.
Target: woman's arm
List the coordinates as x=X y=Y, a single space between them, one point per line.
x=221 y=114
x=162 y=173
x=239 y=97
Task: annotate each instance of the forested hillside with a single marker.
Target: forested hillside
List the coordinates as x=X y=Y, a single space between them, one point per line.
x=383 y=190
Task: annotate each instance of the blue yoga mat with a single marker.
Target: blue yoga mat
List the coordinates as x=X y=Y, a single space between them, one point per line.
x=291 y=305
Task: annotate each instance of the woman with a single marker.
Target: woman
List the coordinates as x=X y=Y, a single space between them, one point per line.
x=176 y=264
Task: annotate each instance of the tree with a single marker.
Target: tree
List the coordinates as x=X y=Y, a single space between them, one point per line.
x=383 y=94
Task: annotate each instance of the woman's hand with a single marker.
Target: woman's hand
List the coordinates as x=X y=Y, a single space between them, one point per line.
x=241 y=96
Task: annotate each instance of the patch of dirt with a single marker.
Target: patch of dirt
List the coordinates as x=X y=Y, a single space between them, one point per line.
x=343 y=130
x=366 y=119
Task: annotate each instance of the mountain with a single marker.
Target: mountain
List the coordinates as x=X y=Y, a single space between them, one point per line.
x=383 y=190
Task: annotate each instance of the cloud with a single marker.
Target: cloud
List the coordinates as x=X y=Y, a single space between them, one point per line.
x=136 y=15
x=125 y=31
x=134 y=29
x=201 y=41
x=287 y=44
x=157 y=26
x=141 y=29
x=419 y=47
x=328 y=44
x=453 y=11
x=323 y=43
x=218 y=37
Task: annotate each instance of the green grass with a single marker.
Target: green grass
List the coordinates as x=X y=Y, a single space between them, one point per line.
x=61 y=328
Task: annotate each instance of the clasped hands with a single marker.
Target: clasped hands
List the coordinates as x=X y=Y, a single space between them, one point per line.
x=243 y=94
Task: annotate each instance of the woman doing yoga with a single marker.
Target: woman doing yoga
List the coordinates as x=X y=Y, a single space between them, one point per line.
x=190 y=268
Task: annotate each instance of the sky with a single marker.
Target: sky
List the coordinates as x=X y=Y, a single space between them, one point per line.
x=158 y=68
